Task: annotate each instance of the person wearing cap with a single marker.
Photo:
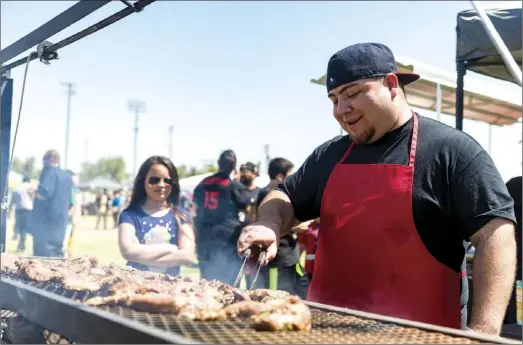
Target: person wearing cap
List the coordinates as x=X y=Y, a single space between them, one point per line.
x=50 y=214
x=249 y=173
x=218 y=199
x=398 y=198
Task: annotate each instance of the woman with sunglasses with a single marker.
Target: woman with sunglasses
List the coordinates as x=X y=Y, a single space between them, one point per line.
x=154 y=234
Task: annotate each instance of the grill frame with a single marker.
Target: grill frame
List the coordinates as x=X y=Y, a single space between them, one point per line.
x=85 y=324
x=77 y=321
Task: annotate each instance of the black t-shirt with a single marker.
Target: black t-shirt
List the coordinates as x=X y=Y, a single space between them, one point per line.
x=218 y=200
x=456 y=189
x=288 y=250
x=252 y=196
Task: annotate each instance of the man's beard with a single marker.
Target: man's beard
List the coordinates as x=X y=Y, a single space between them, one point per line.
x=246 y=182
x=363 y=137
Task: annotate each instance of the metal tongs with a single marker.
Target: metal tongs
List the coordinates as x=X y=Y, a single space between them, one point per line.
x=259 y=264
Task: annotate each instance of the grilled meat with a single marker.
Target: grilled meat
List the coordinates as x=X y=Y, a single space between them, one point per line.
x=8 y=263
x=288 y=314
x=147 y=302
x=245 y=309
x=264 y=295
x=195 y=299
x=92 y=280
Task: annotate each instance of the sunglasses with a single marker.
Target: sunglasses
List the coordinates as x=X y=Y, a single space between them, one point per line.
x=154 y=180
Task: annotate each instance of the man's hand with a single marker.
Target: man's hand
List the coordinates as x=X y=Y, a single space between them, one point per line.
x=259 y=234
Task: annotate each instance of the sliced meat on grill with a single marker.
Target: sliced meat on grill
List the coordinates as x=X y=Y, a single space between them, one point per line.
x=36 y=270
x=150 y=302
x=264 y=295
x=49 y=270
x=200 y=307
x=92 y=280
x=8 y=263
x=289 y=314
x=192 y=307
x=245 y=309
x=186 y=297
x=232 y=295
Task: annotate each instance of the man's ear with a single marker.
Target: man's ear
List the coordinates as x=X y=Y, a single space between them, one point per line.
x=392 y=83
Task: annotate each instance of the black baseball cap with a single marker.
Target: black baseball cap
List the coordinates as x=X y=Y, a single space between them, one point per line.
x=363 y=61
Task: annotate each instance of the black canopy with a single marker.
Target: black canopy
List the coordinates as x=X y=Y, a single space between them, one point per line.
x=475 y=47
x=476 y=52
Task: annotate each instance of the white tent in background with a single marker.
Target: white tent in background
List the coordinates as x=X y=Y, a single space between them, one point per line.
x=100 y=183
x=188 y=184
x=262 y=181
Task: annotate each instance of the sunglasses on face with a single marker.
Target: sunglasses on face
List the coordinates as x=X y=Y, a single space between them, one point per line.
x=154 y=180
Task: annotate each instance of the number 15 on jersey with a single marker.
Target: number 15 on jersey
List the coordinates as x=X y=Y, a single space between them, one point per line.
x=211 y=200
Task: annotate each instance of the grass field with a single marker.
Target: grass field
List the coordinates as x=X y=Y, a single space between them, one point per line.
x=102 y=244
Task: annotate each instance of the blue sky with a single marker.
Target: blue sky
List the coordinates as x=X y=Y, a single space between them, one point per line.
x=225 y=74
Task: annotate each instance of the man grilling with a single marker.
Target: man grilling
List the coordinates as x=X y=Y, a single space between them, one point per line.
x=218 y=200
x=398 y=198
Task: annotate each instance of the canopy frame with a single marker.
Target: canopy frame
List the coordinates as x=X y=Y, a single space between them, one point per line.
x=45 y=51
x=478 y=57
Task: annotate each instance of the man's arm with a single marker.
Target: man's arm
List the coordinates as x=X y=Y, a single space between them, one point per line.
x=277 y=213
x=485 y=211
x=494 y=269
x=294 y=200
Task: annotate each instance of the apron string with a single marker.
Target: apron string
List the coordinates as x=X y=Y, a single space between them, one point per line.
x=414 y=142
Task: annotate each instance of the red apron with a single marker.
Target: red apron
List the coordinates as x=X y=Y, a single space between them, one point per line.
x=370 y=256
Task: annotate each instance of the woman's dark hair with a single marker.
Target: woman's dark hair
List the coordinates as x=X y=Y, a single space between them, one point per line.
x=139 y=195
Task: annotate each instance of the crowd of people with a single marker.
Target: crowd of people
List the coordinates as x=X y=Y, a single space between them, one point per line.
x=157 y=232
x=108 y=206
x=400 y=199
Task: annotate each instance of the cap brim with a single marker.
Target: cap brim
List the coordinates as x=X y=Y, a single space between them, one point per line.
x=407 y=78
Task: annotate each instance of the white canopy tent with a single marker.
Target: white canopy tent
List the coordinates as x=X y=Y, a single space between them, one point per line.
x=436 y=91
x=188 y=184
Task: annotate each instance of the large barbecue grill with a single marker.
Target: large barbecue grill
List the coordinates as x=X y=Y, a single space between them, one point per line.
x=60 y=317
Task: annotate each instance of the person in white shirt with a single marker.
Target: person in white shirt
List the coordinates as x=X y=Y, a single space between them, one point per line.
x=22 y=201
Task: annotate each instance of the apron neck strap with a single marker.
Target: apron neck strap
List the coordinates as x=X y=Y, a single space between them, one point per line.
x=414 y=141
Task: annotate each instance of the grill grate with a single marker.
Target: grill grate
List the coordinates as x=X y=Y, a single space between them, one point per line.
x=328 y=327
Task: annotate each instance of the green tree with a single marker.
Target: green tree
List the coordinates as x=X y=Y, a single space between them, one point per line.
x=26 y=167
x=188 y=171
x=17 y=165
x=30 y=168
x=182 y=171
x=110 y=167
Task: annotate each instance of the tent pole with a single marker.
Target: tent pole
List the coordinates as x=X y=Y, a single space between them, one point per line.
x=462 y=70
x=502 y=49
x=438 y=101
